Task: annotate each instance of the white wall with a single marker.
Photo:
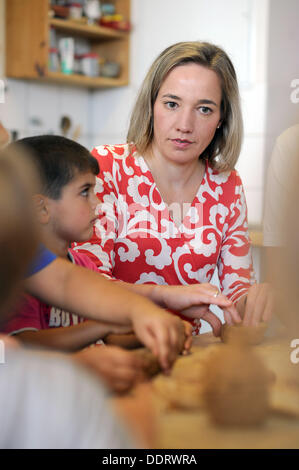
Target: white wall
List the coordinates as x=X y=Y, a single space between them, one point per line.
x=282 y=107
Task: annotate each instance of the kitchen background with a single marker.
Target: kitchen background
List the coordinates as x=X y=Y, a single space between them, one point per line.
x=262 y=38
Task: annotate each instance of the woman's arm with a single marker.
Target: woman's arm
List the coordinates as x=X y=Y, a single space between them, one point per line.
x=237 y=278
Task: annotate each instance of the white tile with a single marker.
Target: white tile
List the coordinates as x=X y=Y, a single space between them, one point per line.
x=13 y=112
x=102 y=139
x=74 y=103
x=85 y=141
x=43 y=105
x=110 y=110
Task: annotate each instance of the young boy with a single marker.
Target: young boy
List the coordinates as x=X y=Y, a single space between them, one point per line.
x=46 y=399
x=65 y=208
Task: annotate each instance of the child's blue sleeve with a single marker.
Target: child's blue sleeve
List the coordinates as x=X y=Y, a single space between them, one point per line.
x=42 y=259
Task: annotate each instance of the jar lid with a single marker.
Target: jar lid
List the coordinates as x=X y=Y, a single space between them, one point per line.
x=91 y=55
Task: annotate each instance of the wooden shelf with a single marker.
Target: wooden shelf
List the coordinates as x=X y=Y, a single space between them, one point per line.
x=83 y=81
x=76 y=28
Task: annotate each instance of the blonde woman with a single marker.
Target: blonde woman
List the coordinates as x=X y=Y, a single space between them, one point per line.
x=174 y=205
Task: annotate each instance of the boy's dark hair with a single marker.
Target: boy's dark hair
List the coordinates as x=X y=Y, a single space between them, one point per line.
x=58 y=160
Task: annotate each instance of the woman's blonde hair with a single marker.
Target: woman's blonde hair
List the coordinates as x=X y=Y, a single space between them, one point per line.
x=18 y=230
x=225 y=147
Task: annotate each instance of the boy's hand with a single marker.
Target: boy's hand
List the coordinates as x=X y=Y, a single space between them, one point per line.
x=188 y=338
x=120 y=370
x=163 y=333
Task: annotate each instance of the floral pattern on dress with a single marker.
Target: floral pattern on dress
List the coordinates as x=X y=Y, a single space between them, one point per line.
x=136 y=240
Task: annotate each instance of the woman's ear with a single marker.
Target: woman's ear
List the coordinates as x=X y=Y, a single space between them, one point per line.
x=219 y=124
x=41 y=206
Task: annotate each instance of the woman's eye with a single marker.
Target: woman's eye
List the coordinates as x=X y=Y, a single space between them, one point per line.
x=171 y=104
x=85 y=192
x=205 y=110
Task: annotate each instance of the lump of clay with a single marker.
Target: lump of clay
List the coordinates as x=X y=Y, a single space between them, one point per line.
x=236 y=387
x=238 y=333
x=183 y=388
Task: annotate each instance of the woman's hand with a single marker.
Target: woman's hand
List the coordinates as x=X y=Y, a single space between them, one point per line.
x=188 y=338
x=257 y=306
x=194 y=295
x=204 y=313
x=193 y=301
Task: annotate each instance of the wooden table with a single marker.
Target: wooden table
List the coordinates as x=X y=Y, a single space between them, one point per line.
x=192 y=429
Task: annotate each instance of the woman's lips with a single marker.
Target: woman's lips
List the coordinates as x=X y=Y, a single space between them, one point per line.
x=181 y=143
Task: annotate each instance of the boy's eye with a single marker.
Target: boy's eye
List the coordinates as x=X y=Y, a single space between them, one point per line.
x=85 y=192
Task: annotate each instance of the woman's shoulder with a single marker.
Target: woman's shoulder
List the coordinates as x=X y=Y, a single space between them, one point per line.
x=114 y=151
x=218 y=177
x=122 y=160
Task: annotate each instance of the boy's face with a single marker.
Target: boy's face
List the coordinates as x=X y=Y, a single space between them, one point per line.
x=72 y=217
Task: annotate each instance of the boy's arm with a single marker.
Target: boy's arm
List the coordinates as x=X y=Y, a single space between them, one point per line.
x=69 y=339
x=126 y=341
x=82 y=291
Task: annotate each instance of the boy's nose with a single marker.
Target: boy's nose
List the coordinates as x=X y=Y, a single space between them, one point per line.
x=94 y=201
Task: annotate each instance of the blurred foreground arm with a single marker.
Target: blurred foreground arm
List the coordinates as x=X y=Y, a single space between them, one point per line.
x=89 y=294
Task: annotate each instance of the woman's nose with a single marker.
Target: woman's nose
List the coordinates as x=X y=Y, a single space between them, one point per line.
x=185 y=121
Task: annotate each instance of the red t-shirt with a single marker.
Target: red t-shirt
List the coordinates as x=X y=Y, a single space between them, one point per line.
x=32 y=314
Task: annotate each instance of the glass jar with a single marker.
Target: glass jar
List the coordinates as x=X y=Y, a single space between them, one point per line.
x=90 y=64
x=54 y=64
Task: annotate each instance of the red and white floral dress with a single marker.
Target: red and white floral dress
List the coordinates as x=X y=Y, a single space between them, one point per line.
x=136 y=240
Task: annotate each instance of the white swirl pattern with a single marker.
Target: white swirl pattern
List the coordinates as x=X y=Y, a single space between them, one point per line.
x=136 y=240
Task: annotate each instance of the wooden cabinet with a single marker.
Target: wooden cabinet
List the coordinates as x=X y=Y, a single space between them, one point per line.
x=27 y=44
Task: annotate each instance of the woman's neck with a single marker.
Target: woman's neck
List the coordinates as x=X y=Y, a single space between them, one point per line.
x=175 y=175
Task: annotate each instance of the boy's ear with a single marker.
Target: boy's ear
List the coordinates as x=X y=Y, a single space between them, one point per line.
x=41 y=207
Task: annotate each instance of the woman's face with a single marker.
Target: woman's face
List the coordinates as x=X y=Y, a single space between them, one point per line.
x=186 y=113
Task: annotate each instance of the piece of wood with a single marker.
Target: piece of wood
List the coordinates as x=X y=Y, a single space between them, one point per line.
x=94 y=32
x=26 y=38
x=83 y=81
